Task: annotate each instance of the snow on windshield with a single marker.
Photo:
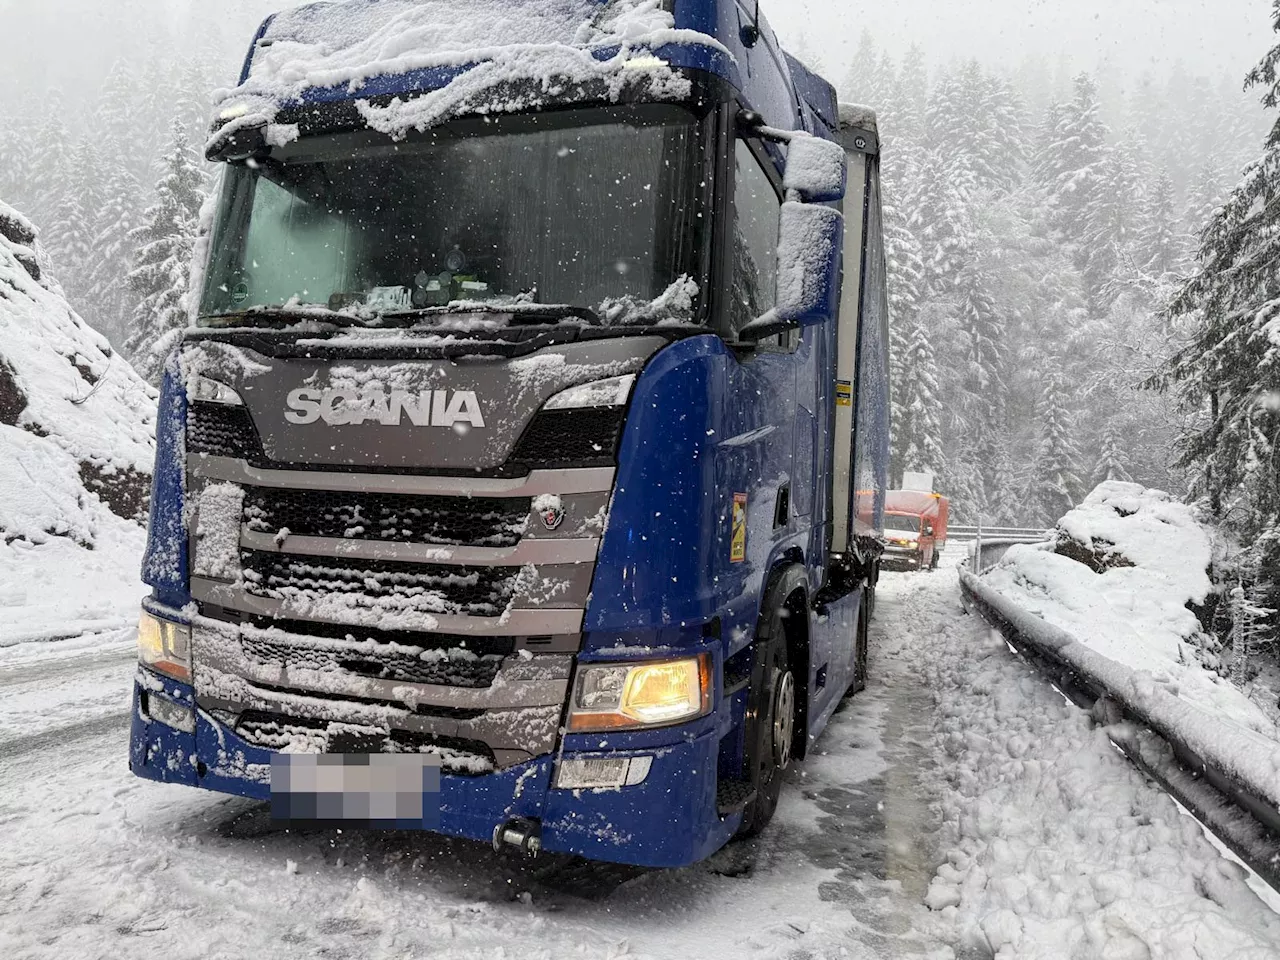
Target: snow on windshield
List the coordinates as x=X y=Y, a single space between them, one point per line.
x=604 y=211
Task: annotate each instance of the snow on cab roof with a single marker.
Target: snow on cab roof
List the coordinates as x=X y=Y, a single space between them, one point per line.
x=345 y=44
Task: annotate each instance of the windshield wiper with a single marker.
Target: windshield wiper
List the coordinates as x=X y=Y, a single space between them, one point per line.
x=267 y=316
x=270 y=316
x=536 y=312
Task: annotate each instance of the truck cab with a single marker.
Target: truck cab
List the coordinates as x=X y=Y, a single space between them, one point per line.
x=915 y=525
x=519 y=430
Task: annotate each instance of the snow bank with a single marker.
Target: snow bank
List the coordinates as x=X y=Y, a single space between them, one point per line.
x=76 y=444
x=555 y=43
x=1153 y=557
x=1052 y=845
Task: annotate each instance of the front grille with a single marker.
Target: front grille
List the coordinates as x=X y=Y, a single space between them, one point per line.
x=480 y=646
x=420 y=587
x=222 y=430
x=274 y=731
x=454 y=668
x=572 y=438
x=454 y=521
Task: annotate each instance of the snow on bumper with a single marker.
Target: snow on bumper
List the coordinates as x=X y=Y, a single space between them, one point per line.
x=667 y=820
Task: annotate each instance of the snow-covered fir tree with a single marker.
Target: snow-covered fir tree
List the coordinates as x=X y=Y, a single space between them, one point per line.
x=1229 y=372
x=1056 y=486
x=905 y=272
x=1113 y=461
x=1069 y=162
x=1163 y=245
x=939 y=215
x=918 y=433
x=163 y=247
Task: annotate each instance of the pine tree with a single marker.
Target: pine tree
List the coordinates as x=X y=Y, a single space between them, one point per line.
x=940 y=218
x=867 y=82
x=905 y=273
x=69 y=234
x=164 y=244
x=50 y=165
x=1229 y=371
x=1204 y=201
x=982 y=330
x=1111 y=225
x=978 y=119
x=1113 y=462
x=119 y=215
x=1056 y=487
x=911 y=97
x=1069 y=161
x=1251 y=628
x=1163 y=247
x=918 y=431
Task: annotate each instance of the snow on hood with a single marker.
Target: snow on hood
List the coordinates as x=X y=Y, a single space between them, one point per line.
x=349 y=42
x=1136 y=615
x=77 y=424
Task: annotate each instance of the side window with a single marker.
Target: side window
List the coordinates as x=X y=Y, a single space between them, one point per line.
x=757 y=215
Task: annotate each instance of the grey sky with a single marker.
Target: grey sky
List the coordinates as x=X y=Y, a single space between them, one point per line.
x=70 y=44
x=1210 y=36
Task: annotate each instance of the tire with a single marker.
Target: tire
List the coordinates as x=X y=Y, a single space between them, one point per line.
x=771 y=736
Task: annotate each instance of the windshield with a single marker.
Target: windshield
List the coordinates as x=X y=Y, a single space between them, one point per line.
x=588 y=208
x=902 y=524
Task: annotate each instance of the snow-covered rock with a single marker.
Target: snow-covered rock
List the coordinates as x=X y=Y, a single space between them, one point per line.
x=1127 y=566
x=77 y=430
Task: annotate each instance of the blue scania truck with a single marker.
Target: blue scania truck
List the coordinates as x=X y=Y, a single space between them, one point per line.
x=522 y=477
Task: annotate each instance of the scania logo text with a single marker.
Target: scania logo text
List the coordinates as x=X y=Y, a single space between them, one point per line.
x=458 y=410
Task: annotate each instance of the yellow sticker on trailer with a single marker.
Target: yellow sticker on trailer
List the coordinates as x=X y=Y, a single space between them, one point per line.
x=844 y=393
x=738 y=545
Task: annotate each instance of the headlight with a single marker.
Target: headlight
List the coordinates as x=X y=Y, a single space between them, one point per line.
x=165 y=646
x=211 y=391
x=610 y=696
x=913 y=544
x=600 y=393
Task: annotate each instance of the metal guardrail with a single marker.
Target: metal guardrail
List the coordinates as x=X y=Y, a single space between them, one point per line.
x=1221 y=777
x=1012 y=534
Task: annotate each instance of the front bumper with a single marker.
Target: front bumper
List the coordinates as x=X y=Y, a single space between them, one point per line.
x=900 y=558
x=668 y=820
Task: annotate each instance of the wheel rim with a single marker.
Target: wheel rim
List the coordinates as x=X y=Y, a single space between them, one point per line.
x=784 y=719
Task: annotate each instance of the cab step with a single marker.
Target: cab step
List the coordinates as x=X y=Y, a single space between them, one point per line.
x=732 y=796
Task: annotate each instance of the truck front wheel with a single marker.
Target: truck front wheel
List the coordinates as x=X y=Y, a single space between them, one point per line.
x=772 y=730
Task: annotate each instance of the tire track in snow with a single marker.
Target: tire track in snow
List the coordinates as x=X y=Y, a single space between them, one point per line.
x=42 y=671
x=60 y=737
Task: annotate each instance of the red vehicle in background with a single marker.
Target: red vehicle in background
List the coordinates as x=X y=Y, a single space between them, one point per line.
x=915 y=529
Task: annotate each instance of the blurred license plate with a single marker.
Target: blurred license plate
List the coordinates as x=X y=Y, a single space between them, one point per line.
x=374 y=790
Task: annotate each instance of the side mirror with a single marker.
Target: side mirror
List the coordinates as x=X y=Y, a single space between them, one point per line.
x=817 y=170
x=238 y=139
x=810 y=243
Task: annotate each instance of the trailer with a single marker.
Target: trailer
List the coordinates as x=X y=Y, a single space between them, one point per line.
x=522 y=477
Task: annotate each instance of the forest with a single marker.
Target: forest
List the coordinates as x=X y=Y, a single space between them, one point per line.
x=1071 y=252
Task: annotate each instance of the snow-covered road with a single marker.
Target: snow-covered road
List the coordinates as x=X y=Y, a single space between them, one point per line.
x=1050 y=844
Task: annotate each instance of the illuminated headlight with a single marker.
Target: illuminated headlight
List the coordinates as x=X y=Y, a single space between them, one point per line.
x=613 y=392
x=165 y=646
x=211 y=391
x=601 y=773
x=634 y=695
x=913 y=544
